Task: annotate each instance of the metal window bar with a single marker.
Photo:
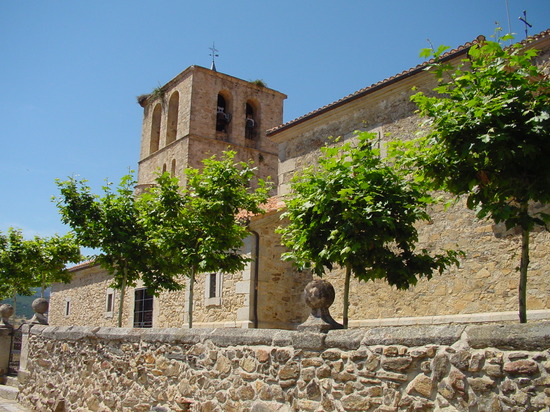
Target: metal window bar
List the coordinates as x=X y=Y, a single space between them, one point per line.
x=143 y=309
x=15 y=351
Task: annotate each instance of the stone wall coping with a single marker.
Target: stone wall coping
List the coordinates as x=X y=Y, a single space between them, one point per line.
x=530 y=336
x=526 y=336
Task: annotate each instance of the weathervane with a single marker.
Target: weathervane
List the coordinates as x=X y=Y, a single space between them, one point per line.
x=214 y=54
x=527 y=24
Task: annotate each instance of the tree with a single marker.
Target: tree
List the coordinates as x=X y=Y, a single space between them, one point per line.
x=205 y=233
x=16 y=276
x=113 y=224
x=49 y=259
x=489 y=137
x=25 y=264
x=355 y=211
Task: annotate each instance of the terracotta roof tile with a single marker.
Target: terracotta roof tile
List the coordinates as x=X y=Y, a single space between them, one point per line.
x=273 y=204
x=83 y=265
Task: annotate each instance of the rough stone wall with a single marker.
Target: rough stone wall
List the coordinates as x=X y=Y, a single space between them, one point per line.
x=169 y=309
x=191 y=150
x=280 y=288
x=152 y=165
x=207 y=85
x=225 y=313
x=453 y=368
x=485 y=282
x=231 y=309
x=87 y=294
x=264 y=162
x=197 y=138
x=183 y=87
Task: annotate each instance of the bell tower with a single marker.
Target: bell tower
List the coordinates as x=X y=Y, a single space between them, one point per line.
x=201 y=113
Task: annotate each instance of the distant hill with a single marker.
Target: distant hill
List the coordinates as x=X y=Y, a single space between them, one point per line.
x=24 y=304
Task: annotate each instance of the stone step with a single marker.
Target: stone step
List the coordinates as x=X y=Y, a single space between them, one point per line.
x=8 y=392
x=12 y=381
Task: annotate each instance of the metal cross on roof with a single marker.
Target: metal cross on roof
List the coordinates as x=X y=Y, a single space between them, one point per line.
x=525 y=22
x=214 y=54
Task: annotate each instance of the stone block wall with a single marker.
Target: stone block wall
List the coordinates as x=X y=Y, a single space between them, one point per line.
x=87 y=297
x=197 y=138
x=486 y=281
x=483 y=288
x=280 y=288
x=88 y=290
x=451 y=367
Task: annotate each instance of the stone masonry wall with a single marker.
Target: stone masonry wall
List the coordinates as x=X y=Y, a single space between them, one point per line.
x=485 y=282
x=197 y=138
x=280 y=288
x=451 y=368
x=87 y=294
x=88 y=290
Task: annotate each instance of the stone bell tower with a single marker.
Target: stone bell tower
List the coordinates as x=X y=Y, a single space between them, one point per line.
x=202 y=112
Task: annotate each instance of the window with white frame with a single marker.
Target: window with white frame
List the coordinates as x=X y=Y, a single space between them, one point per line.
x=213 y=289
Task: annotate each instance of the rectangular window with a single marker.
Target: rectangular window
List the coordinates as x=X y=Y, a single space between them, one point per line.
x=67 y=307
x=143 y=309
x=109 y=306
x=213 y=289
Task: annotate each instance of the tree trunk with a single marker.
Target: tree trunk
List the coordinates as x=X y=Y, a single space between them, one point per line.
x=523 y=275
x=122 y=295
x=346 y=297
x=190 y=303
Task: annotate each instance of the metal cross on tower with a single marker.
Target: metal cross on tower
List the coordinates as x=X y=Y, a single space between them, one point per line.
x=214 y=54
x=525 y=22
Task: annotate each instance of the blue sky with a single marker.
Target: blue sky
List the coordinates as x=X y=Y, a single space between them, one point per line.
x=70 y=71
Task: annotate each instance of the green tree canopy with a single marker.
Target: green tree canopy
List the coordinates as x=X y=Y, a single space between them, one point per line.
x=205 y=233
x=50 y=256
x=30 y=263
x=113 y=225
x=355 y=211
x=16 y=274
x=488 y=139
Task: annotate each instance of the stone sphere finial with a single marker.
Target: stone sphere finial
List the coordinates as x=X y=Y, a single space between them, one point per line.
x=319 y=295
x=6 y=312
x=40 y=306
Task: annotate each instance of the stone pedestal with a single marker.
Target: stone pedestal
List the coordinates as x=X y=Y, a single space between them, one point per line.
x=319 y=295
x=5 y=347
x=24 y=356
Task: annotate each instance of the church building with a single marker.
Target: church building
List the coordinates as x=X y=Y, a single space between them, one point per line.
x=202 y=112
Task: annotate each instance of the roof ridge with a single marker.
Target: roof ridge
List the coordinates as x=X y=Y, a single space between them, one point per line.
x=405 y=73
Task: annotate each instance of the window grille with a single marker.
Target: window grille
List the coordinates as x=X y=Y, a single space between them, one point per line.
x=143 y=309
